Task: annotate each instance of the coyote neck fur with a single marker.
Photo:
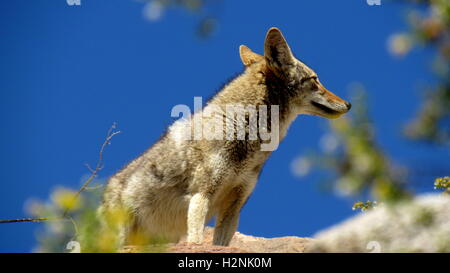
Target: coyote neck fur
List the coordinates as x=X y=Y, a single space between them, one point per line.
x=257 y=86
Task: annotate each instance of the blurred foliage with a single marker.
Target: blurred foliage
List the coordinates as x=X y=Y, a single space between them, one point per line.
x=66 y=200
x=351 y=154
x=207 y=25
x=363 y=206
x=82 y=224
x=429 y=28
x=81 y=217
x=443 y=183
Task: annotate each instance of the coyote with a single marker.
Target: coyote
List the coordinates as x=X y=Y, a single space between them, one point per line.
x=178 y=185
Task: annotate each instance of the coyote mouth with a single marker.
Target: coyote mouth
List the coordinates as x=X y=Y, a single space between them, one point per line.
x=324 y=108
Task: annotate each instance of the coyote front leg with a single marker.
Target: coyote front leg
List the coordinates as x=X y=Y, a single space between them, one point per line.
x=198 y=209
x=228 y=218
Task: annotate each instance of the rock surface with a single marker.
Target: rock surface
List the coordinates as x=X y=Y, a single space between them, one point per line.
x=240 y=243
x=246 y=243
x=420 y=225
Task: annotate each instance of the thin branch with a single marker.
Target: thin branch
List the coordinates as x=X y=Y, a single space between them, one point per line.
x=98 y=167
x=89 y=167
x=24 y=220
x=75 y=226
x=94 y=173
x=94 y=187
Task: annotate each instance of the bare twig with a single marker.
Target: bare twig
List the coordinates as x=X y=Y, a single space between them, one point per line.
x=96 y=187
x=94 y=173
x=98 y=167
x=75 y=226
x=24 y=220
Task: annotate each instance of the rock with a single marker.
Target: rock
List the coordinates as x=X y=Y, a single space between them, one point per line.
x=420 y=225
x=185 y=247
x=240 y=243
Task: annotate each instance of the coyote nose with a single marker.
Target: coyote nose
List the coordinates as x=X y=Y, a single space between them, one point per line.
x=349 y=105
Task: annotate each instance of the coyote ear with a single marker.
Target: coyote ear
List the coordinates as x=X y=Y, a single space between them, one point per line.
x=249 y=57
x=276 y=51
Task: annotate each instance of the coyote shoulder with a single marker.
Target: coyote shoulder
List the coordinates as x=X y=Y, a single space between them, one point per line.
x=176 y=186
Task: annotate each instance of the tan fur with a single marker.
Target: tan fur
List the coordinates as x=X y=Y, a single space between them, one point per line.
x=248 y=57
x=177 y=185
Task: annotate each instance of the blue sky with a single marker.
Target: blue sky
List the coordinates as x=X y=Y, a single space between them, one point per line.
x=67 y=73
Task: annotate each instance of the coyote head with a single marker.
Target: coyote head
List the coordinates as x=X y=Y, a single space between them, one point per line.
x=307 y=94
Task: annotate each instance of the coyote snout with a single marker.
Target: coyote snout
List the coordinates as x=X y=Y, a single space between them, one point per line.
x=176 y=186
x=324 y=103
